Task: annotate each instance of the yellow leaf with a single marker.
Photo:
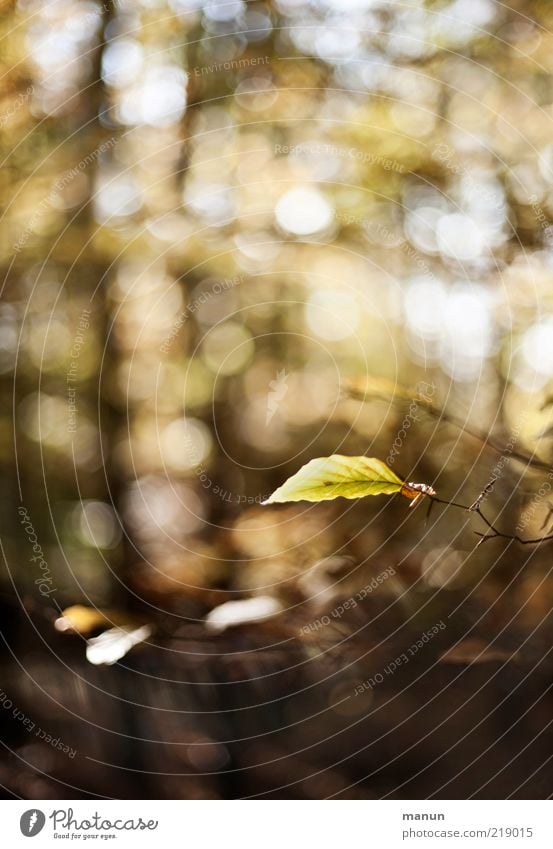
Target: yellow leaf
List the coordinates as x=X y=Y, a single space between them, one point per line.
x=84 y=620
x=338 y=477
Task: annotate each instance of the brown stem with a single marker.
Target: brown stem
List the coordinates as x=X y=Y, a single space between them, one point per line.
x=492 y=532
x=484 y=439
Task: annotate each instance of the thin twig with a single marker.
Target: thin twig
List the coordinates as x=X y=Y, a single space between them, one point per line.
x=487 y=442
x=485 y=439
x=492 y=532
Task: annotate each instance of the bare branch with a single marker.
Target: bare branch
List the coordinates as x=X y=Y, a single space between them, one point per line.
x=492 y=532
x=485 y=439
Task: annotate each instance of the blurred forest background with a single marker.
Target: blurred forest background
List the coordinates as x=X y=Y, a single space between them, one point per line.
x=237 y=236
